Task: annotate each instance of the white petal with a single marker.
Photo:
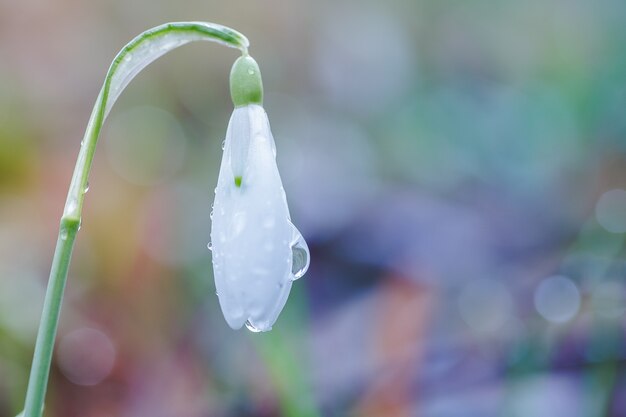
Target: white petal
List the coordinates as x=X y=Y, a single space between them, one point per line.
x=252 y=235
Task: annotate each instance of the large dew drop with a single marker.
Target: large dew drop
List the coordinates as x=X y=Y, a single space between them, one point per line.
x=253 y=329
x=300 y=255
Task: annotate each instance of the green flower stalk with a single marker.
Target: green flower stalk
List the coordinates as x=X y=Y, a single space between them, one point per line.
x=246 y=91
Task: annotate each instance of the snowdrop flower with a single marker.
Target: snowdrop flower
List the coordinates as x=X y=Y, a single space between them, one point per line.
x=257 y=252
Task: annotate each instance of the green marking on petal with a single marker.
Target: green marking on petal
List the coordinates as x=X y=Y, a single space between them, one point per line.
x=238 y=181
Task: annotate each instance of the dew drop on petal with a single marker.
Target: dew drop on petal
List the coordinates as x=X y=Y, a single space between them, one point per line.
x=251 y=327
x=209 y=246
x=86 y=187
x=299 y=261
x=299 y=256
x=223 y=144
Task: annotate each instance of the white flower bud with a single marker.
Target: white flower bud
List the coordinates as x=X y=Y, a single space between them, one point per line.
x=257 y=252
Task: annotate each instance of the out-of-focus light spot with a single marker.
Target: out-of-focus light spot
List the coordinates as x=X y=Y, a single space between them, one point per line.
x=145 y=145
x=608 y=300
x=557 y=299
x=611 y=211
x=86 y=356
x=485 y=305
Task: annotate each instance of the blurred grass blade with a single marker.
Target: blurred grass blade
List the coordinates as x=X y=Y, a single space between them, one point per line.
x=287 y=375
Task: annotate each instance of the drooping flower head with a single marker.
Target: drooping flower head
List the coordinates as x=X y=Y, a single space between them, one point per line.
x=257 y=251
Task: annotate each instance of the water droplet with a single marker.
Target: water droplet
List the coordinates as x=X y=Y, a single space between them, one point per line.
x=299 y=256
x=251 y=327
x=209 y=246
x=86 y=187
x=223 y=144
x=211 y=215
x=63 y=234
x=215 y=191
x=250 y=71
x=82 y=142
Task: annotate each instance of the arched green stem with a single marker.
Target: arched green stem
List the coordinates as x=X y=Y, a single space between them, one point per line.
x=135 y=56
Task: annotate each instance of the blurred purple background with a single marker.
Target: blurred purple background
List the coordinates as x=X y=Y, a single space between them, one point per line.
x=457 y=168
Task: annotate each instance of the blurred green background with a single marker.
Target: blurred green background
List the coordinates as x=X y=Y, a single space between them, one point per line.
x=457 y=168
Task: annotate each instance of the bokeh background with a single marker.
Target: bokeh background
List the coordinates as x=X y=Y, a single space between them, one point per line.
x=457 y=168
